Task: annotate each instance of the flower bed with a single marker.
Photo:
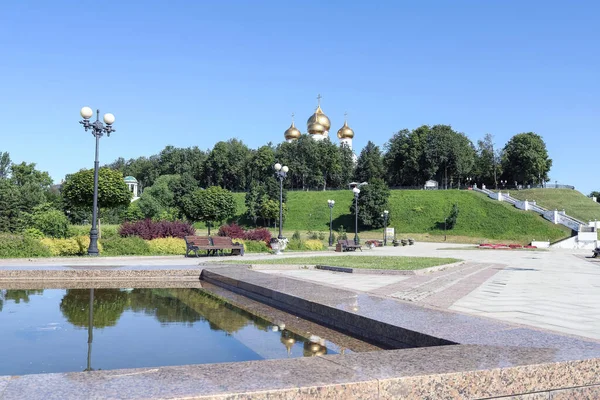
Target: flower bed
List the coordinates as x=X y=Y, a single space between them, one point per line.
x=501 y=246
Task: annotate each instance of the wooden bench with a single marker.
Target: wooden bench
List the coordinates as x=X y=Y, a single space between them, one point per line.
x=221 y=243
x=197 y=243
x=348 y=245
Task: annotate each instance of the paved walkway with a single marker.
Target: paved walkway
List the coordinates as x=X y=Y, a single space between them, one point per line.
x=557 y=290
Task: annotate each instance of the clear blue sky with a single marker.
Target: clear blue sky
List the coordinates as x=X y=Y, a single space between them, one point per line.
x=188 y=73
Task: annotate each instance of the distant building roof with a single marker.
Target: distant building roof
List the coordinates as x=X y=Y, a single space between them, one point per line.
x=130 y=179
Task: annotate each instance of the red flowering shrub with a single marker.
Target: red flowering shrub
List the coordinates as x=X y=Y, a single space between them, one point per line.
x=233 y=231
x=259 y=234
x=148 y=229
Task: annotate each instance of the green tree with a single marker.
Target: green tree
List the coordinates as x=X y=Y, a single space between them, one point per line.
x=227 y=164
x=23 y=174
x=158 y=201
x=269 y=211
x=595 y=194
x=451 y=220
x=369 y=164
x=210 y=205
x=488 y=162
x=253 y=201
x=462 y=157
x=10 y=206
x=525 y=159
x=372 y=200
x=4 y=164
x=78 y=189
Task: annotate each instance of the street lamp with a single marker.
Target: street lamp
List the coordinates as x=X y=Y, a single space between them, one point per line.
x=280 y=174
x=98 y=130
x=331 y=203
x=385 y=215
x=356 y=191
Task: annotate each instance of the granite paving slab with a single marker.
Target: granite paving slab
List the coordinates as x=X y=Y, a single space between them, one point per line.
x=398 y=321
x=282 y=379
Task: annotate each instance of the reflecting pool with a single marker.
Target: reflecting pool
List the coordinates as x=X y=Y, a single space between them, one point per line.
x=53 y=330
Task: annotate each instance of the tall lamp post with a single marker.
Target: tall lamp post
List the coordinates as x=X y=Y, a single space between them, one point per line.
x=280 y=174
x=330 y=203
x=356 y=191
x=385 y=215
x=98 y=130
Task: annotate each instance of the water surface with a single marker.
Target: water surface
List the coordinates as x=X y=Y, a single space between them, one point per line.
x=43 y=331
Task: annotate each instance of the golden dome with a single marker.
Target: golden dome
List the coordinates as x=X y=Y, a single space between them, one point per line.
x=320 y=118
x=345 y=132
x=292 y=132
x=316 y=128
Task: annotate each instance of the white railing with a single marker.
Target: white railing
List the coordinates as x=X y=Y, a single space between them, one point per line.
x=555 y=216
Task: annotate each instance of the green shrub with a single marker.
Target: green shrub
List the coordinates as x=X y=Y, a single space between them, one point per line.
x=253 y=246
x=17 y=246
x=312 y=235
x=125 y=246
x=52 y=223
x=167 y=246
x=296 y=235
x=313 y=245
x=342 y=233
x=33 y=233
x=321 y=235
x=256 y=246
x=106 y=231
x=78 y=230
x=63 y=247
x=84 y=243
x=295 y=245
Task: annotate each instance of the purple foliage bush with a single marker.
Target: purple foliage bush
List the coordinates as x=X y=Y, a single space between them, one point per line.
x=258 y=234
x=148 y=229
x=235 y=231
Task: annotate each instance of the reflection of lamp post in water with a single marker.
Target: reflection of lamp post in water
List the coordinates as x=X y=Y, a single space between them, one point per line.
x=90 y=331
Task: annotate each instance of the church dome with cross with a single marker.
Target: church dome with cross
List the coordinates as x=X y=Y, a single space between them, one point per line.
x=318 y=126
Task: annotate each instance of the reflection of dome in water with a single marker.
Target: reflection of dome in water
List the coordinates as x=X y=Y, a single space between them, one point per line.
x=318 y=118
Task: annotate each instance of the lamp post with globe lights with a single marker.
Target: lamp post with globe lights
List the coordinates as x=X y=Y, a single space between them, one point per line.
x=330 y=203
x=280 y=174
x=98 y=130
x=356 y=191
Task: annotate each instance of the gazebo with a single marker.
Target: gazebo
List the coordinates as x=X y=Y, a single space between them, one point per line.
x=431 y=185
x=132 y=184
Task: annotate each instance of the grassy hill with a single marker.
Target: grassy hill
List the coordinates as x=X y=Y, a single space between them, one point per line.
x=573 y=202
x=421 y=214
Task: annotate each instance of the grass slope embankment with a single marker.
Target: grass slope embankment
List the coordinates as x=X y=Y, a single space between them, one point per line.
x=575 y=204
x=421 y=214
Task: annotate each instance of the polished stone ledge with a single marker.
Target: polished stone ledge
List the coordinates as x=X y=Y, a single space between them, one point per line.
x=447 y=372
x=392 y=323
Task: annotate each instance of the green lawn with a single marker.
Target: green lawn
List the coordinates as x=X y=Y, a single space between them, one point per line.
x=573 y=202
x=420 y=214
x=352 y=261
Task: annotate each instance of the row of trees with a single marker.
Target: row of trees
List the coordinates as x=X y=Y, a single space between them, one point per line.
x=172 y=182
x=409 y=158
